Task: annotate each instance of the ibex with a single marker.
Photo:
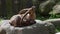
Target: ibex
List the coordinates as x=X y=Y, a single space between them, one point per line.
x=24 y=18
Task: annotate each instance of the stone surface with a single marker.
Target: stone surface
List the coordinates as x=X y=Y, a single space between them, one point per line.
x=56 y=9
x=56 y=22
x=58 y=33
x=39 y=27
x=46 y=6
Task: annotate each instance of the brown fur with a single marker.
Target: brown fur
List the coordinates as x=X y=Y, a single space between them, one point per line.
x=21 y=19
x=14 y=21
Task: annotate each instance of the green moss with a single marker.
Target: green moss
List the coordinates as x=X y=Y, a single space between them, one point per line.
x=1 y=21
x=57 y=30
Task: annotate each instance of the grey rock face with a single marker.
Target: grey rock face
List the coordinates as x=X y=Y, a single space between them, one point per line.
x=45 y=7
x=58 y=33
x=56 y=22
x=39 y=27
x=2 y=31
x=56 y=9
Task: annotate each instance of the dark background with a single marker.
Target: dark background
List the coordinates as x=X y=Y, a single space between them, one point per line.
x=9 y=8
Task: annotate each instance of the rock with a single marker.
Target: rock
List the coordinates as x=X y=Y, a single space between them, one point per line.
x=39 y=27
x=56 y=9
x=2 y=31
x=58 y=33
x=46 y=7
x=56 y=22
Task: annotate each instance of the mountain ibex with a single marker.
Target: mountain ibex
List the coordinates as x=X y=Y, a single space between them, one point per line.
x=24 y=18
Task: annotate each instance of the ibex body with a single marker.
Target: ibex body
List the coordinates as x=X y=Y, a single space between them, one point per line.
x=25 y=17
